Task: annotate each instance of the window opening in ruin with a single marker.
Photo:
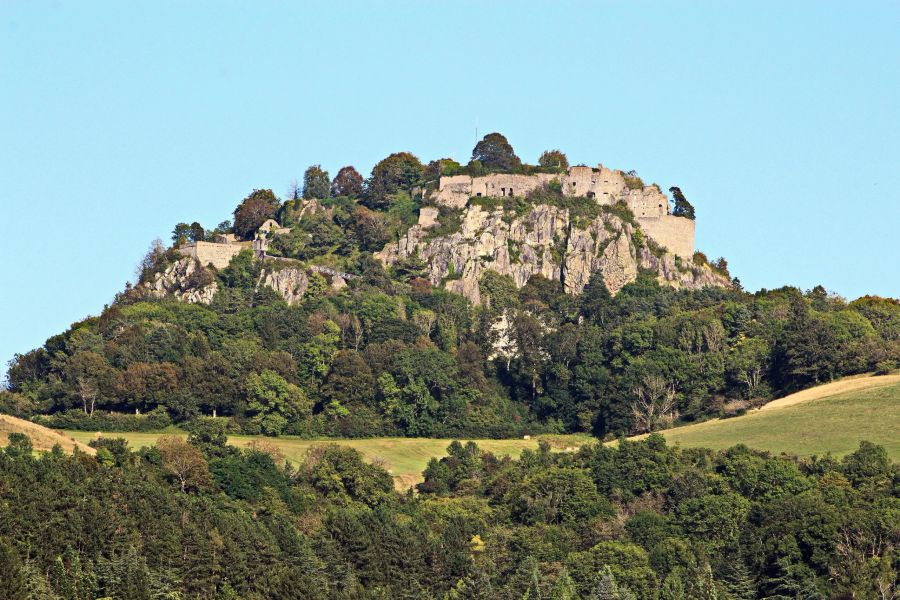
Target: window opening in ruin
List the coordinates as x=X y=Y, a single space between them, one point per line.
x=510 y=192
x=590 y=194
x=502 y=191
x=478 y=194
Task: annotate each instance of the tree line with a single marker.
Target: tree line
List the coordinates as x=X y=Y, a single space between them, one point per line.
x=642 y=520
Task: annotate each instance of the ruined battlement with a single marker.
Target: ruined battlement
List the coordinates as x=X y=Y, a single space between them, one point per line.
x=211 y=253
x=608 y=186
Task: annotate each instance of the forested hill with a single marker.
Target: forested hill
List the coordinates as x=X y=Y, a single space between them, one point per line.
x=306 y=329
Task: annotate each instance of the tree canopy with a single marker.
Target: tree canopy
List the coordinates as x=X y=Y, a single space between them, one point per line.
x=495 y=153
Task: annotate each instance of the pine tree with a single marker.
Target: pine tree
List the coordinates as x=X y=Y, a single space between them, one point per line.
x=673 y=587
x=36 y=584
x=606 y=588
x=564 y=589
x=12 y=579
x=704 y=587
x=534 y=587
x=737 y=578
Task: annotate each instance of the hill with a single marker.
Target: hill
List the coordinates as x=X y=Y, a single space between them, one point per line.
x=490 y=300
x=830 y=418
x=42 y=438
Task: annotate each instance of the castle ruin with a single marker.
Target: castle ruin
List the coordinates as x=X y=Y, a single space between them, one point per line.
x=648 y=203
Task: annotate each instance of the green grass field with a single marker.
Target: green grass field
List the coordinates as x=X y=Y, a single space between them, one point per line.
x=861 y=409
x=829 y=418
x=405 y=458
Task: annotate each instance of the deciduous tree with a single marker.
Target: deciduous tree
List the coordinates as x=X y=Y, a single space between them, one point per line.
x=494 y=152
x=253 y=212
x=347 y=182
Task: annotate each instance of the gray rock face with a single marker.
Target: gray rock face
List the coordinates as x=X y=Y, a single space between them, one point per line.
x=290 y=283
x=545 y=240
x=179 y=280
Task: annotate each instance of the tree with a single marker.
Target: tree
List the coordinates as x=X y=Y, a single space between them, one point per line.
x=747 y=363
x=683 y=208
x=347 y=182
x=440 y=168
x=90 y=376
x=553 y=159
x=185 y=462
x=350 y=380
x=495 y=153
x=197 y=233
x=275 y=403
x=564 y=588
x=606 y=587
x=180 y=233
x=398 y=171
x=253 y=212
x=556 y=496
x=654 y=404
x=12 y=579
x=315 y=183
x=152 y=261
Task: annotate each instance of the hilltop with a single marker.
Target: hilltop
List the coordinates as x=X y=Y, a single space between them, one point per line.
x=492 y=299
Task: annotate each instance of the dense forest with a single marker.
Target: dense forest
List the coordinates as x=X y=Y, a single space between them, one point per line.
x=392 y=354
x=200 y=519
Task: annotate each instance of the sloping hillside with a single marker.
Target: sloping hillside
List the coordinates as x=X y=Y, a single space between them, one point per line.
x=829 y=418
x=42 y=438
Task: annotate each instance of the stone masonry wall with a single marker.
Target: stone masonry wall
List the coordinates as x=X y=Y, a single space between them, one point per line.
x=676 y=234
x=649 y=205
x=218 y=255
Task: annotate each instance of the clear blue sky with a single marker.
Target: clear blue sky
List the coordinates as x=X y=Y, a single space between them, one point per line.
x=779 y=121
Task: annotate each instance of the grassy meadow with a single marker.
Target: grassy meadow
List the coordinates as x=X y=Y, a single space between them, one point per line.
x=404 y=458
x=829 y=418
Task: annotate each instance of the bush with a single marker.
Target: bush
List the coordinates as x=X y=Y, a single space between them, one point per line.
x=885 y=367
x=78 y=420
x=634 y=182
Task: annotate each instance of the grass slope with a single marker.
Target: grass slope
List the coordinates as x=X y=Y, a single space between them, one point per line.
x=404 y=458
x=42 y=438
x=829 y=418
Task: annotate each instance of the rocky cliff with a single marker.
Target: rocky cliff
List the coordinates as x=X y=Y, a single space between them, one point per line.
x=545 y=240
x=187 y=281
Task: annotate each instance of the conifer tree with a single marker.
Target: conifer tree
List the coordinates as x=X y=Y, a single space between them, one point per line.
x=12 y=579
x=564 y=588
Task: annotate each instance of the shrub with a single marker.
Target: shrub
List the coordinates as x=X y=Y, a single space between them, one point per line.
x=885 y=366
x=76 y=419
x=633 y=182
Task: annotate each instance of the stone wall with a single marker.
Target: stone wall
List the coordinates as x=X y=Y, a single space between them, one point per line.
x=676 y=234
x=649 y=204
x=218 y=255
x=606 y=185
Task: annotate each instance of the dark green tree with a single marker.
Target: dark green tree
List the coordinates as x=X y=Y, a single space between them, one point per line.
x=12 y=579
x=683 y=208
x=315 y=183
x=495 y=153
x=399 y=171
